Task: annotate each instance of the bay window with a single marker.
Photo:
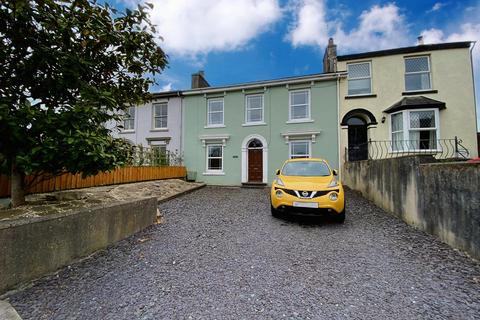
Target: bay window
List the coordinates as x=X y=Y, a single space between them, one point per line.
x=415 y=130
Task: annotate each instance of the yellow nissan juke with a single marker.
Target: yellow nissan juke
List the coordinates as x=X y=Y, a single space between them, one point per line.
x=308 y=186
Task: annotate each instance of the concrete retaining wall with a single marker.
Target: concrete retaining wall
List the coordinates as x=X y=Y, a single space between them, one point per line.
x=31 y=248
x=440 y=198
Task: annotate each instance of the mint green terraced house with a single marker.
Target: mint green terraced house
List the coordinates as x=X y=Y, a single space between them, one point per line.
x=240 y=134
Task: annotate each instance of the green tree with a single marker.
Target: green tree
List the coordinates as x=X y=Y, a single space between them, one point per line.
x=66 y=68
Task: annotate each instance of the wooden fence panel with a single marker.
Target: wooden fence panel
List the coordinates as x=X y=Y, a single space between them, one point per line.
x=75 y=181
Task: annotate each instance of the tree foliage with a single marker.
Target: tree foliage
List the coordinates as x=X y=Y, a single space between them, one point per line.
x=66 y=68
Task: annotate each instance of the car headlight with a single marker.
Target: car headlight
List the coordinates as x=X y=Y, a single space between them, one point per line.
x=333 y=196
x=333 y=183
x=279 y=182
x=279 y=193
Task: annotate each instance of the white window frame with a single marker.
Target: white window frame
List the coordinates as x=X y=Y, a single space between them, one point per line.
x=290 y=146
x=154 y=117
x=417 y=72
x=359 y=78
x=290 y=105
x=217 y=125
x=214 y=171
x=130 y=118
x=261 y=121
x=407 y=129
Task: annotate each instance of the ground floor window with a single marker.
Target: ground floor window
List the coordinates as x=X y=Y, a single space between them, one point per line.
x=159 y=154
x=300 y=149
x=214 y=158
x=414 y=130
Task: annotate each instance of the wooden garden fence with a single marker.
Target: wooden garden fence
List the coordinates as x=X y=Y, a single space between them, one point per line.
x=120 y=175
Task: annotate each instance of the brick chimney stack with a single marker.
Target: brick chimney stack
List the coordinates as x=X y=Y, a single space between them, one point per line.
x=198 y=80
x=330 y=57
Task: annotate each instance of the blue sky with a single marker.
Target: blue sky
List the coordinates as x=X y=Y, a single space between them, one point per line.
x=236 y=41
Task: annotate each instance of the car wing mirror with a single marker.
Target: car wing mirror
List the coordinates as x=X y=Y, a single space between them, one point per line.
x=335 y=172
x=277 y=172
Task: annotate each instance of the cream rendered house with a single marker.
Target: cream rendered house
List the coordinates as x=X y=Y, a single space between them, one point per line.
x=413 y=99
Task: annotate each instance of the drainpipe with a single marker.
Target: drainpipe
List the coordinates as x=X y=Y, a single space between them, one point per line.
x=340 y=166
x=474 y=89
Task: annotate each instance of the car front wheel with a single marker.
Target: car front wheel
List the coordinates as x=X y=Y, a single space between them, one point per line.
x=339 y=217
x=274 y=211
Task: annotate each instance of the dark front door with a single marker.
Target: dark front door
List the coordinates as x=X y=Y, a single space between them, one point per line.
x=255 y=165
x=357 y=140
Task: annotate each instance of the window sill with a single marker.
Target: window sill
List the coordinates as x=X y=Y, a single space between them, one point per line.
x=300 y=121
x=249 y=124
x=360 y=96
x=214 y=127
x=126 y=131
x=412 y=93
x=159 y=130
x=214 y=173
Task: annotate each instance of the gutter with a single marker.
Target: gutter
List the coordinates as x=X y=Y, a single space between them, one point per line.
x=264 y=84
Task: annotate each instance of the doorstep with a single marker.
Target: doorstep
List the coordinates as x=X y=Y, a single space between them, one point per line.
x=254 y=185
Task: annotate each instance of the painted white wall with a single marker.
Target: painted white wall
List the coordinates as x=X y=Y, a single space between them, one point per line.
x=144 y=130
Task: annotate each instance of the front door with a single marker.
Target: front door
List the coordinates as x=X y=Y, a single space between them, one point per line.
x=255 y=161
x=357 y=140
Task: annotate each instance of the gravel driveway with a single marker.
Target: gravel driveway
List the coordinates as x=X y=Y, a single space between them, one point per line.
x=220 y=255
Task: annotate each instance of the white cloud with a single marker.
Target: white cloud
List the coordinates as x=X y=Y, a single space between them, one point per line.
x=167 y=87
x=379 y=27
x=468 y=32
x=190 y=28
x=310 y=25
x=437 y=6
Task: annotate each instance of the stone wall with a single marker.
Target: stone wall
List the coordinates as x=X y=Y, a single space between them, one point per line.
x=31 y=248
x=437 y=197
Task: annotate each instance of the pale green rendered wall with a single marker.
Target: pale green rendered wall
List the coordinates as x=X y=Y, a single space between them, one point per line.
x=276 y=104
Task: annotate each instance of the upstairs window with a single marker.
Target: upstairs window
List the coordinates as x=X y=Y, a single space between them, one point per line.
x=129 y=119
x=299 y=149
x=359 y=78
x=215 y=113
x=160 y=115
x=417 y=74
x=254 y=108
x=299 y=105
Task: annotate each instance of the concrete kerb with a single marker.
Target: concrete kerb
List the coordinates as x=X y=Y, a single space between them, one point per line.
x=173 y=196
x=7 y=312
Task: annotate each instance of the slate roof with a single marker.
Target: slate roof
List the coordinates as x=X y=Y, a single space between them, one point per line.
x=417 y=102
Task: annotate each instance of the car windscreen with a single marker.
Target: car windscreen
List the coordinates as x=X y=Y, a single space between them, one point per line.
x=306 y=169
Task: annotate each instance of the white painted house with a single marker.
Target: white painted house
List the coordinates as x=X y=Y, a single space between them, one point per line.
x=156 y=124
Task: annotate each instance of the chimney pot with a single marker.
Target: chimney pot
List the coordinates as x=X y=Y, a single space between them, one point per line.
x=420 y=41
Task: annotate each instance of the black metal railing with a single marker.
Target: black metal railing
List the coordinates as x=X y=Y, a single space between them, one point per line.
x=143 y=156
x=384 y=149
